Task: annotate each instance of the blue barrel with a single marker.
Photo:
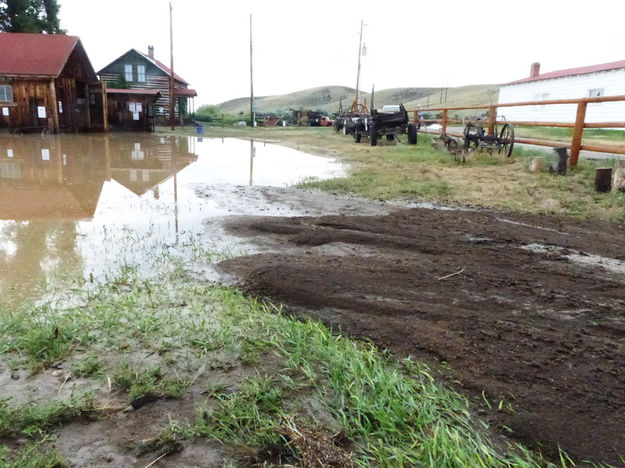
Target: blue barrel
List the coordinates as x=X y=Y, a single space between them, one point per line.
x=198 y=129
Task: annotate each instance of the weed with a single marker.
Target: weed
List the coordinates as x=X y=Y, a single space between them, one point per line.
x=86 y=367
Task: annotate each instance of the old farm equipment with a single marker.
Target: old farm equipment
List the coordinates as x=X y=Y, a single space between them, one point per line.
x=477 y=139
x=390 y=121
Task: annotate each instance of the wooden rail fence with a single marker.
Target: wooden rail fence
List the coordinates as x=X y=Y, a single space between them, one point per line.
x=578 y=126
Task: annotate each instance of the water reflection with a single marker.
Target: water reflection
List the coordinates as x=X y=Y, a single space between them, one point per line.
x=81 y=204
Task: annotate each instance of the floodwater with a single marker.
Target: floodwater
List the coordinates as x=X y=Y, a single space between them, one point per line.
x=81 y=206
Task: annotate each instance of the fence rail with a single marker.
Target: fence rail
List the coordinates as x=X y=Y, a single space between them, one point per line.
x=575 y=145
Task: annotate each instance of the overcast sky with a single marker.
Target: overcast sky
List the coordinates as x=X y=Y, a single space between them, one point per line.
x=304 y=44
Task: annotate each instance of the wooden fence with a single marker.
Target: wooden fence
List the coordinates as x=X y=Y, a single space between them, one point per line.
x=578 y=126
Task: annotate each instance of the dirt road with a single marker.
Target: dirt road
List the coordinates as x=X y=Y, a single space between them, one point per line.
x=527 y=312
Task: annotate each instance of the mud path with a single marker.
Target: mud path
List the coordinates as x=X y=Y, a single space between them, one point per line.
x=527 y=312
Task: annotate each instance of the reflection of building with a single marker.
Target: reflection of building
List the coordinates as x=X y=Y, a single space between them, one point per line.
x=49 y=184
x=45 y=178
x=140 y=72
x=47 y=83
x=142 y=165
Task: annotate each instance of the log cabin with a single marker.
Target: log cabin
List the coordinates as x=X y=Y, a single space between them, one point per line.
x=47 y=84
x=131 y=109
x=135 y=70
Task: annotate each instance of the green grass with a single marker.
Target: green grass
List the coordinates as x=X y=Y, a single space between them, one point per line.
x=566 y=134
x=423 y=173
x=391 y=413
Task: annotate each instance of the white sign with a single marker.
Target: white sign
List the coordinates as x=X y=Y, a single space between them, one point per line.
x=135 y=116
x=10 y=153
x=45 y=154
x=132 y=107
x=137 y=146
x=60 y=107
x=5 y=111
x=41 y=112
x=139 y=107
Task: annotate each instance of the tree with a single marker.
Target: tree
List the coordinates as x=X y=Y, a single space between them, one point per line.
x=30 y=16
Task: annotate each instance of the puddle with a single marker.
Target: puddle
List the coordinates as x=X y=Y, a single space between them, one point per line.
x=82 y=205
x=609 y=264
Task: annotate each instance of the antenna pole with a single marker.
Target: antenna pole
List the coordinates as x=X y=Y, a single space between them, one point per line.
x=252 y=116
x=358 y=75
x=172 y=99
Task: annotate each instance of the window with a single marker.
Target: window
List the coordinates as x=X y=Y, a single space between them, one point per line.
x=6 y=93
x=596 y=92
x=540 y=97
x=141 y=73
x=128 y=72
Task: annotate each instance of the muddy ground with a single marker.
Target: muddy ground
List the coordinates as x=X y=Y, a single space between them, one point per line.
x=527 y=312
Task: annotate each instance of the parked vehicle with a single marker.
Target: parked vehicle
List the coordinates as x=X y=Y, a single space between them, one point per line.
x=325 y=121
x=390 y=121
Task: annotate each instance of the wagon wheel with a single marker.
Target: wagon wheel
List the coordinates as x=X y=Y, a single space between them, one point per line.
x=506 y=140
x=470 y=136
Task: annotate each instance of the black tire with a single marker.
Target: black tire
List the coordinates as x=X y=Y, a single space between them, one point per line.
x=506 y=140
x=390 y=137
x=412 y=134
x=357 y=136
x=373 y=138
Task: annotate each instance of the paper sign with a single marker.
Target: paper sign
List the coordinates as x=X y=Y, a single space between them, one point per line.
x=45 y=154
x=132 y=106
x=139 y=107
x=135 y=116
x=10 y=153
x=41 y=112
x=137 y=146
x=65 y=160
x=5 y=111
x=60 y=107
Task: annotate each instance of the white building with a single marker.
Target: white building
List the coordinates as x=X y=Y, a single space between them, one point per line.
x=606 y=79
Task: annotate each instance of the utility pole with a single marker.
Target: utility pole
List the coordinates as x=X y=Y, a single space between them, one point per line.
x=252 y=116
x=172 y=99
x=355 y=107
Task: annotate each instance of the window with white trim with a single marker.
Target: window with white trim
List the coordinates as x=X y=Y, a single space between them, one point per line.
x=141 y=73
x=595 y=92
x=6 y=93
x=128 y=72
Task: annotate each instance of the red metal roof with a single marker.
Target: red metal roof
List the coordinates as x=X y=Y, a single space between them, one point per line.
x=573 y=71
x=148 y=92
x=163 y=67
x=35 y=54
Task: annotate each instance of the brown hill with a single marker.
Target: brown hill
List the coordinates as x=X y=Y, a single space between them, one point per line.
x=328 y=99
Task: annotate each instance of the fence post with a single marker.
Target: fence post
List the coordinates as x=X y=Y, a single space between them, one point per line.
x=416 y=118
x=444 y=121
x=492 y=117
x=576 y=144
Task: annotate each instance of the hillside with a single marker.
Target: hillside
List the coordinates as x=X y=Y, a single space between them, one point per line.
x=475 y=95
x=328 y=98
